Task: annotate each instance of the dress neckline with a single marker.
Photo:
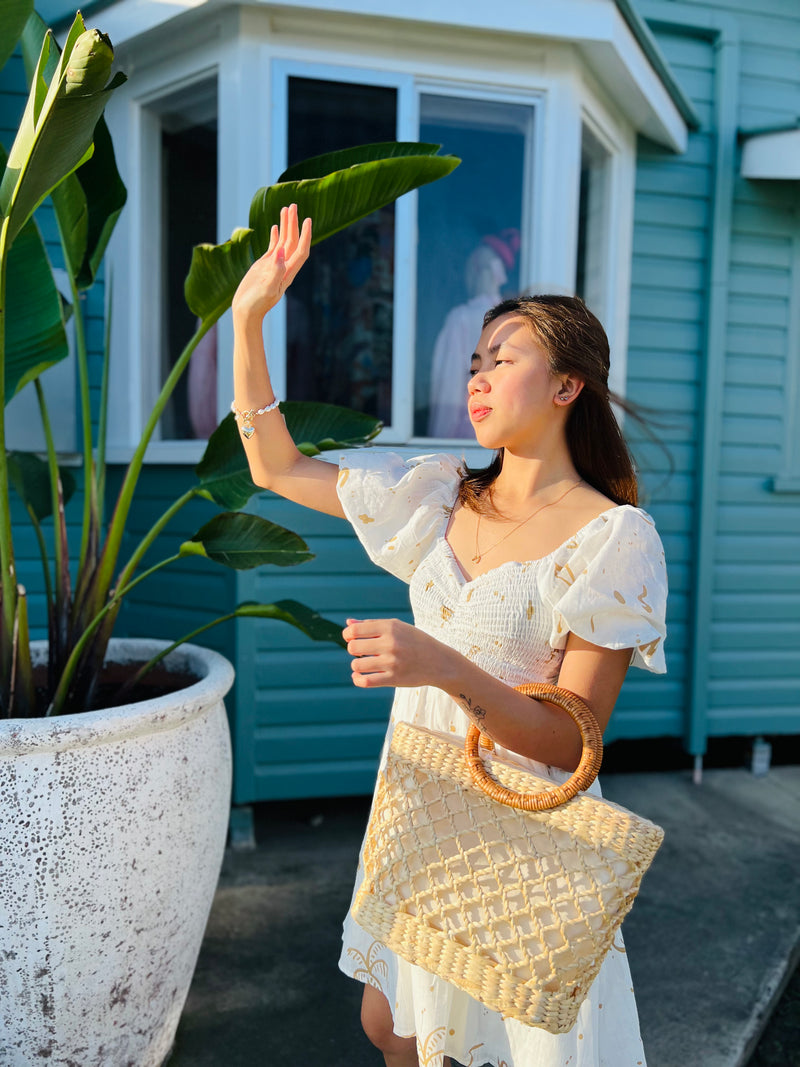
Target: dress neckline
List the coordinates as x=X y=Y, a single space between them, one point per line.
x=461 y=575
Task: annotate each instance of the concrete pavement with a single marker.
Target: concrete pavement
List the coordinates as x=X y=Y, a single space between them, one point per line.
x=711 y=937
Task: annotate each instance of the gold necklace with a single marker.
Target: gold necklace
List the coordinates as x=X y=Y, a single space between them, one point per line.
x=479 y=555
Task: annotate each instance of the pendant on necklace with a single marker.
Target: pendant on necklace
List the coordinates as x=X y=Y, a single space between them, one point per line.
x=476 y=559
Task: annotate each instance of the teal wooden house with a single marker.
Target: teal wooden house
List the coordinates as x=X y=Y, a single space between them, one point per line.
x=645 y=153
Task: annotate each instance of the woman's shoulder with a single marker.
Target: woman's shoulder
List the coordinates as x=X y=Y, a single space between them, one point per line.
x=397 y=505
x=623 y=524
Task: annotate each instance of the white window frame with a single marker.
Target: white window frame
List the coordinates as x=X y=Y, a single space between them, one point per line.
x=614 y=308
x=136 y=285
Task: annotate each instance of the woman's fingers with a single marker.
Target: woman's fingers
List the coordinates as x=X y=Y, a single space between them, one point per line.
x=291 y=228
x=300 y=254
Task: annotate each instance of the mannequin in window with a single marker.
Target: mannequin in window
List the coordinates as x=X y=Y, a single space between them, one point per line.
x=485 y=274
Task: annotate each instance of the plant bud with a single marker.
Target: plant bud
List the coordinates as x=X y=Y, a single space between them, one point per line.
x=89 y=63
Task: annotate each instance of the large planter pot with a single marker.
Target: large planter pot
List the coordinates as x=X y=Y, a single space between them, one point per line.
x=112 y=831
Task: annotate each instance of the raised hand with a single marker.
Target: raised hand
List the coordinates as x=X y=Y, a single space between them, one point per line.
x=272 y=274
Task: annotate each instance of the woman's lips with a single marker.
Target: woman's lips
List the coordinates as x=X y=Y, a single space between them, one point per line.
x=478 y=412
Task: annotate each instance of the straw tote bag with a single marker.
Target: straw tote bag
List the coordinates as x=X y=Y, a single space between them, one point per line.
x=501 y=883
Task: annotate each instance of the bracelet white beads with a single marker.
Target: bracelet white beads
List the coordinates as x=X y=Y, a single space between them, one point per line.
x=246 y=417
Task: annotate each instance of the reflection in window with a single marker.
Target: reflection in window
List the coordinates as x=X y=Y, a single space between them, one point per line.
x=593 y=222
x=339 y=311
x=469 y=246
x=188 y=187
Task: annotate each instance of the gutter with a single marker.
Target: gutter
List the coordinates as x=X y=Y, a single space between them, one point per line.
x=655 y=57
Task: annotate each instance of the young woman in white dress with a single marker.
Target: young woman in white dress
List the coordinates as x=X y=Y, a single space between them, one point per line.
x=539 y=569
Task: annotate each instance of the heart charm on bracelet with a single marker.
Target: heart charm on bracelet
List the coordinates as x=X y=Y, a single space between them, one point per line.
x=248 y=430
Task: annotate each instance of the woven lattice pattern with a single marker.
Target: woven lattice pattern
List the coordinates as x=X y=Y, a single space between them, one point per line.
x=516 y=908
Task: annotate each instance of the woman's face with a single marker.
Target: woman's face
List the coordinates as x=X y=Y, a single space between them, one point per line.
x=511 y=393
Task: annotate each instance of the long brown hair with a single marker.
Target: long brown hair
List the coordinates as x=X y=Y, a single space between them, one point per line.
x=576 y=344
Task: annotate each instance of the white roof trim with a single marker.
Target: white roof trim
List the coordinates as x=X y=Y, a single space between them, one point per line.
x=595 y=27
x=772 y=155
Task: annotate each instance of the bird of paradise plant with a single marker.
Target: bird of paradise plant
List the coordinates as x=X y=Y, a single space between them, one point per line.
x=63 y=150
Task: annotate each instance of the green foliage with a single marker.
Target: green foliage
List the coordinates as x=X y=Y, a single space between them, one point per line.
x=370 y=177
x=244 y=541
x=62 y=149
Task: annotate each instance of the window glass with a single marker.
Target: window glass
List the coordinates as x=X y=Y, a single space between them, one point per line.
x=592 y=225
x=339 y=311
x=188 y=212
x=469 y=246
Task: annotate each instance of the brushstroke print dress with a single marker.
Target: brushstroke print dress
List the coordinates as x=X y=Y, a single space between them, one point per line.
x=607 y=584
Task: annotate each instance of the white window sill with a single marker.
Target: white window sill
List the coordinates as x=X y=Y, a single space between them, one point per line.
x=189 y=453
x=161 y=452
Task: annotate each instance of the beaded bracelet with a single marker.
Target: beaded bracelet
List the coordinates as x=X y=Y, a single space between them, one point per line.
x=247 y=427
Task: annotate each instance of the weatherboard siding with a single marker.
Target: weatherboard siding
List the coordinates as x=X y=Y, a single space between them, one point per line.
x=304 y=729
x=753 y=680
x=669 y=292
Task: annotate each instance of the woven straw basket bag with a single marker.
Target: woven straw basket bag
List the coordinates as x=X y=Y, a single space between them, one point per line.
x=510 y=890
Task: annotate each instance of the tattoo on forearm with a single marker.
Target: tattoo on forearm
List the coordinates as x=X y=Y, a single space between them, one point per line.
x=475 y=711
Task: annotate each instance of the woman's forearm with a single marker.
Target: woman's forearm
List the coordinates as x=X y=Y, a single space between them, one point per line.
x=529 y=727
x=391 y=652
x=275 y=463
x=270 y=450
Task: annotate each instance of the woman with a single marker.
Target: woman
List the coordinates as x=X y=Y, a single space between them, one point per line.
x=573 y=597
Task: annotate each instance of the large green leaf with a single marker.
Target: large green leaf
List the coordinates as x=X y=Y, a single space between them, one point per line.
x=106 y=196
x=35 y=335
x=13 y=16
x=223 y=471
x=341 y=198
x=296 y=614
x=31 y=42
x=215 y=273
x=88 y=202
x=243 y=541
x=319 y=428
x=55 y=134
x=30 y=476
x=333 y=202
x=319 y=166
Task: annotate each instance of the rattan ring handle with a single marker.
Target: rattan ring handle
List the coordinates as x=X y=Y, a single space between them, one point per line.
x=585 y=773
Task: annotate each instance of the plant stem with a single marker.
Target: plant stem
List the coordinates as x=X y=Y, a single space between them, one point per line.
x=152 y=534
x=132 y=682
x=24 y=691
x=48 y=583
x=108 y=559
x=89 y=521
x=60 y=548
x=67 y=674
x=52 y=465
x=102 y=428
x=8 y=584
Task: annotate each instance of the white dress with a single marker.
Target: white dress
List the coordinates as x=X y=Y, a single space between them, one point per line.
x=607 y=584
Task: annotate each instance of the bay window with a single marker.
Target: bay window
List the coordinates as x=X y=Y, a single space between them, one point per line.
x=386 y=314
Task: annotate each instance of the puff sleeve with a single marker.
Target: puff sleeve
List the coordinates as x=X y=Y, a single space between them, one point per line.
x=610 y=588
x=397 y=507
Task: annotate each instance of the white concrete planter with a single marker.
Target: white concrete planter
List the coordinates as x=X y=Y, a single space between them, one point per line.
x=112 y=831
